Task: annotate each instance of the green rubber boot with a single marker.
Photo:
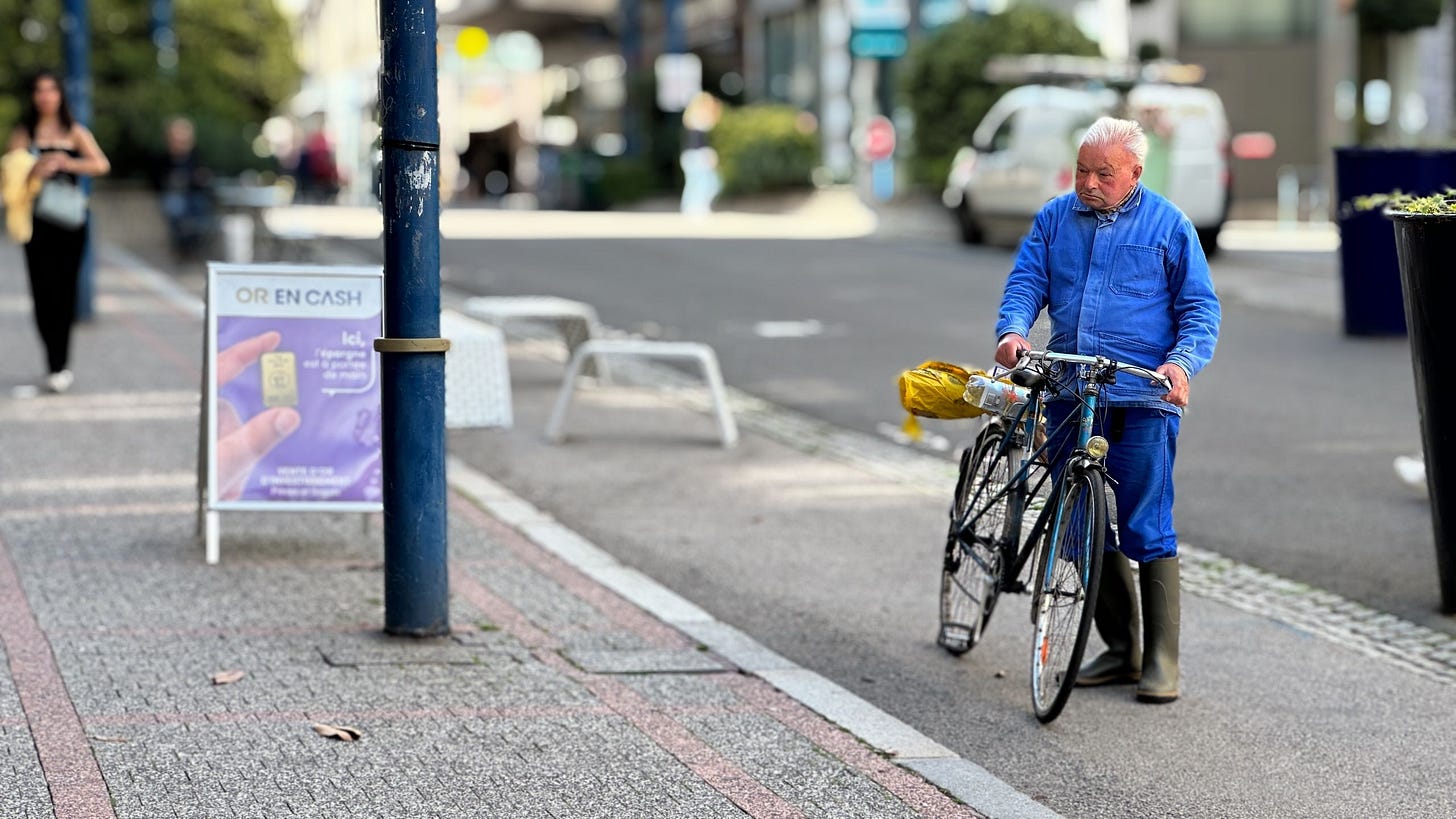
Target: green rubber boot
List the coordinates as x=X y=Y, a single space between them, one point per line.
x=1159 y=582
x=1117 y=624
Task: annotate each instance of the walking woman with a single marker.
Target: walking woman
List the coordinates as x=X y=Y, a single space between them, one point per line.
x=63 y=151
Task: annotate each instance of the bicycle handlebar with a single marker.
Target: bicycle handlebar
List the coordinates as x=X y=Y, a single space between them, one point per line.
x=1095 y=361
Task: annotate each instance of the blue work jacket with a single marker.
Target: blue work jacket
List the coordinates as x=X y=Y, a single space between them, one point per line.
x=1132 y=285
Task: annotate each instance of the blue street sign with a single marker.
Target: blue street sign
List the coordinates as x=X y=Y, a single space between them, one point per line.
x=881 y=44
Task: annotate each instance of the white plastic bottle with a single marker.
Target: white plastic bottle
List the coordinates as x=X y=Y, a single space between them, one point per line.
x=994 y=396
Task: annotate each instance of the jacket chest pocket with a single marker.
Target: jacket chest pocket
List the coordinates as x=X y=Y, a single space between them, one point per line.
x=1137 y=270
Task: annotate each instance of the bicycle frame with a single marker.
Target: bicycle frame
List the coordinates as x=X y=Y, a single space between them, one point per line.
x=1021 y=428
x=1002 y=478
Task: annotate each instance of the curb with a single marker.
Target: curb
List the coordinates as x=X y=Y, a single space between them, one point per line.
x=968 y=782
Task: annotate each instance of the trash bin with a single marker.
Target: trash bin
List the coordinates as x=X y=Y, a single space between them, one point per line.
x=1369 y=274
x=237 y=238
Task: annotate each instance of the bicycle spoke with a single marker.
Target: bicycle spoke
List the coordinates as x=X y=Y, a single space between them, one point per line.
x=970 y=576
x=1071 y=560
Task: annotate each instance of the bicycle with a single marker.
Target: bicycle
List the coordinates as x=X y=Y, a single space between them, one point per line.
x=1000 y=483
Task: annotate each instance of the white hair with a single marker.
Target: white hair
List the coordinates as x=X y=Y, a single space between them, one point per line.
x=1126 y=133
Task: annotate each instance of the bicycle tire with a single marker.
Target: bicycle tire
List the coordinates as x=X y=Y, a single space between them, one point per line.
x=970 y=575
x=1069 y=567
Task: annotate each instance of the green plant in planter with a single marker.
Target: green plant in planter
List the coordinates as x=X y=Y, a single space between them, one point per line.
x=1398 y=202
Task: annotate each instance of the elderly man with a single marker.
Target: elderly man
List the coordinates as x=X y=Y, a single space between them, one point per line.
x=1122 y=275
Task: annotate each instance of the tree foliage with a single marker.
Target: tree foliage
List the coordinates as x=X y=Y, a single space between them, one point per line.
x=763 y=148
x=944 y=83
x=235 y=65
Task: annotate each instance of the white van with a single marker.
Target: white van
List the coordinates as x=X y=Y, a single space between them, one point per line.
x=1024 y=153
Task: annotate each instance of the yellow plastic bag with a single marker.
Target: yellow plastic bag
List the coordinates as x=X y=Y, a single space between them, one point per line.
x=935 y=389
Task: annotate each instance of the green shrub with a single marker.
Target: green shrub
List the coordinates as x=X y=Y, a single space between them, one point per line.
x=944 y=82
x=764 y=148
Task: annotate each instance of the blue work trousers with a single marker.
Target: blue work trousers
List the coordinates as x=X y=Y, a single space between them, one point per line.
x=1143 y=442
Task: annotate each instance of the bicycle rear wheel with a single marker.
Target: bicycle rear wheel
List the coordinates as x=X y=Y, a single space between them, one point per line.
x=1069 y=567
x=970 y=576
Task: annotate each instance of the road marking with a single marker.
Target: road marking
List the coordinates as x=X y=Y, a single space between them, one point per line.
x=51 y=414
x=788 y=329
x=98 y=511
x=99 y=483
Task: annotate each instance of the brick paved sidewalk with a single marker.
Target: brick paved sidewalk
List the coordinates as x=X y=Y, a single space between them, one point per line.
x=552 y=697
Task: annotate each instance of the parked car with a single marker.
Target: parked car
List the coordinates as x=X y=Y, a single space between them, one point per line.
x=1024 y=151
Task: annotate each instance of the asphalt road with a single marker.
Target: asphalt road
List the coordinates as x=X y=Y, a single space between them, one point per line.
x=1285 y=456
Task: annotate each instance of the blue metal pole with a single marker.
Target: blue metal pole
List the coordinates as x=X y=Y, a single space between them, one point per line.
x=416 y=578
x=632 y=125
x=76 y=31
x=164 y=37
x=674 y=41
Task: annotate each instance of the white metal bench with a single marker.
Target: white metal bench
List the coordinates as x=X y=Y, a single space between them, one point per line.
x=575 y=320
x=702 y=353
x=477 y=374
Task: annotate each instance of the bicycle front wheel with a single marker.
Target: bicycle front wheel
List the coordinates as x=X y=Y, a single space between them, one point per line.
x=970 y=576
x=1068 y=569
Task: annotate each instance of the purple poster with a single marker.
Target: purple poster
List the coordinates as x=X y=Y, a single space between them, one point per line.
x=295 y=414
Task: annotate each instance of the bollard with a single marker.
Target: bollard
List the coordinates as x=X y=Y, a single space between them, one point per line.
x=237 y=238
x=412 y=361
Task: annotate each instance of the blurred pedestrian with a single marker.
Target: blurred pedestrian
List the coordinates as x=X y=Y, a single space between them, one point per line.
x=1121 y=274
x=185 y=187
x=64 y=150
x=701 y=182
x=316 y=172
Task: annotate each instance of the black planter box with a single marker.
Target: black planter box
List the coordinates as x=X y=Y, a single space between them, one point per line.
x=1426 y=247
x=1369 y=274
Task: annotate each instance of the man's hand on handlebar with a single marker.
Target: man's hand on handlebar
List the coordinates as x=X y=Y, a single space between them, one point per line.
x=1178 y=394
x=1008 y=351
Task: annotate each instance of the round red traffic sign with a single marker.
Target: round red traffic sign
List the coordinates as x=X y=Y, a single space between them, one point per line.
x=879 y=139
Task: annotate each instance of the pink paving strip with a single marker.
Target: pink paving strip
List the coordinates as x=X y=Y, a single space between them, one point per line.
x=77 y=788
x=720 y=774
x=619 y=611
x=672 y=736
x=500 y=612
x=361 y=717
x=924 y=798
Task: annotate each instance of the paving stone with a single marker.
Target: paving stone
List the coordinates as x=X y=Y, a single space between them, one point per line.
x=645 y=661
x=23 y=791
x=190 y=596
x=684 y=690
x=793 y=767
x=591 y=766
x=378 y=648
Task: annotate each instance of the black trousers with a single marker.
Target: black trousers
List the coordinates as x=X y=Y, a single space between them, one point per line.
x=53 y=258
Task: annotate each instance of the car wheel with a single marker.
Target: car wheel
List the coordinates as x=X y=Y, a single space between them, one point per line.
x=971 y=232
x=1208 y=238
